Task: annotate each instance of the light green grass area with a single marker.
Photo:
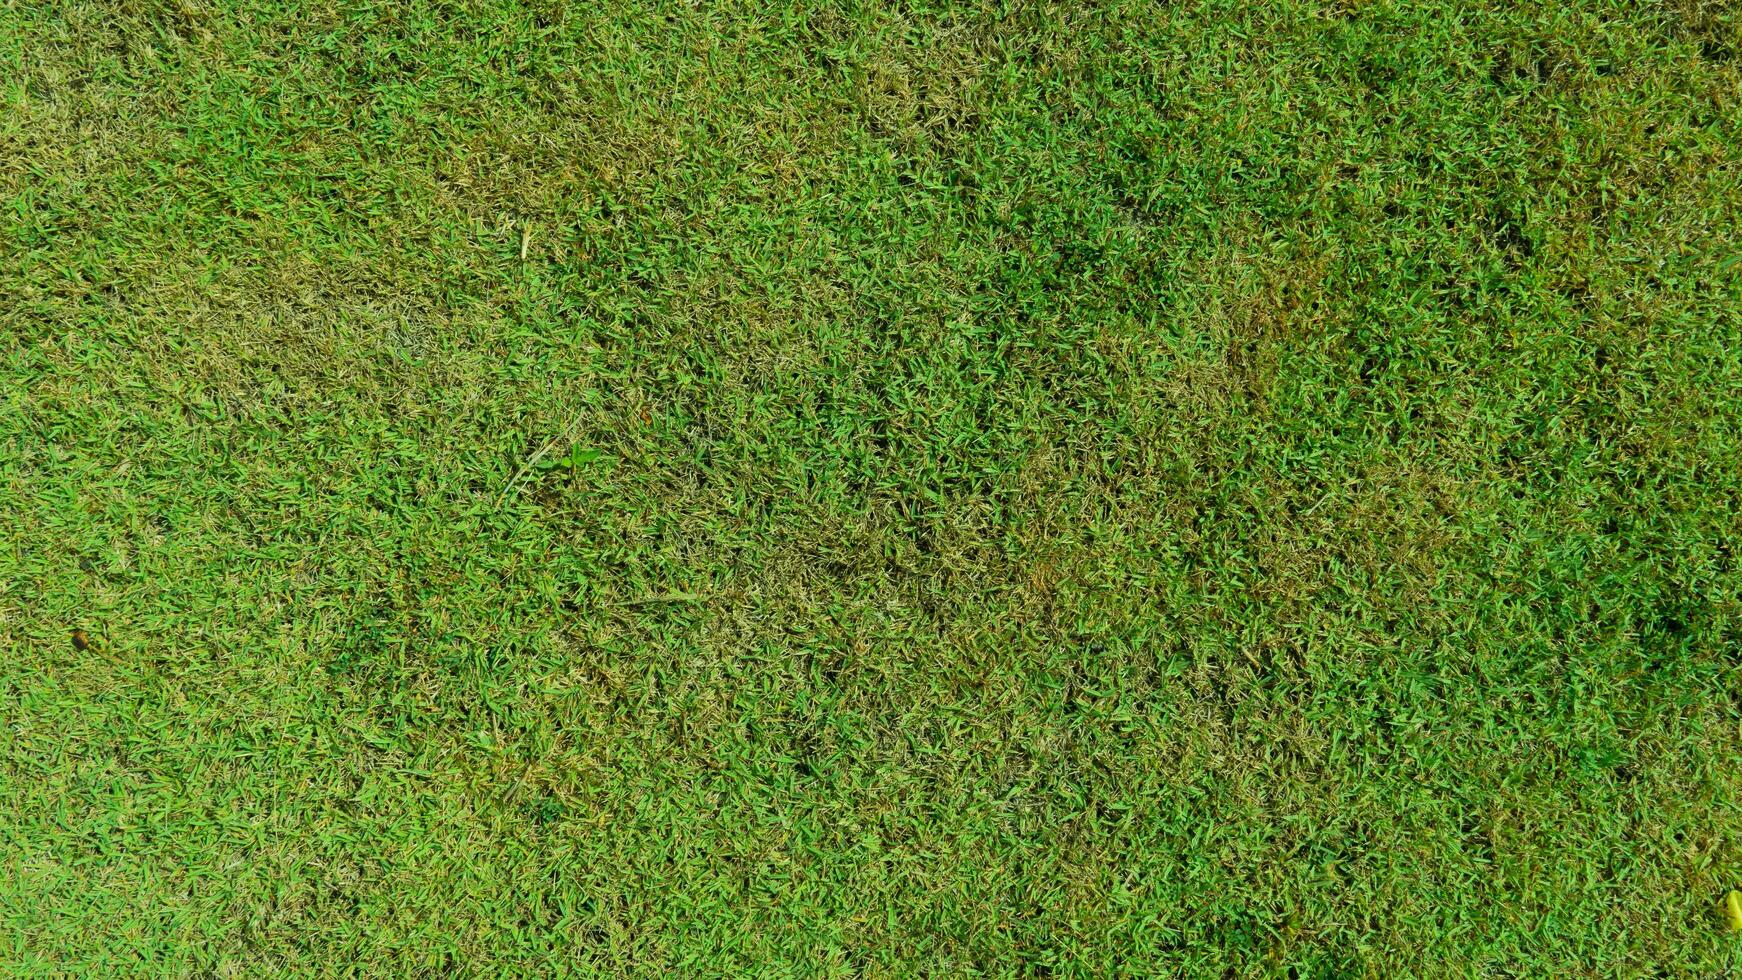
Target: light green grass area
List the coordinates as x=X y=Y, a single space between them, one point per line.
x=676 y=488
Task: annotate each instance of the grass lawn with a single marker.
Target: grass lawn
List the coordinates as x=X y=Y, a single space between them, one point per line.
x=677 y=488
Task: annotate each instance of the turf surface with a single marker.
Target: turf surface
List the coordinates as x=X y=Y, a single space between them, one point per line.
x=720 y=489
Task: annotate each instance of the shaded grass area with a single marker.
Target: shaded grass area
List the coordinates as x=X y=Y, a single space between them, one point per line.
x=870 y=489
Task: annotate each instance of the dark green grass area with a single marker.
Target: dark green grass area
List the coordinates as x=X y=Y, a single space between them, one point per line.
x=728 y=489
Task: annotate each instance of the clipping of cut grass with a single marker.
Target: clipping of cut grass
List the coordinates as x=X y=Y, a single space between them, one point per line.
x=870 y=489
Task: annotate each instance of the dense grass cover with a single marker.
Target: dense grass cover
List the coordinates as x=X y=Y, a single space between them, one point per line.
x=718 y=489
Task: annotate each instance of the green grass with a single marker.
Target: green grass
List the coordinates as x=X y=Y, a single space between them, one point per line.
x=844 y=489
